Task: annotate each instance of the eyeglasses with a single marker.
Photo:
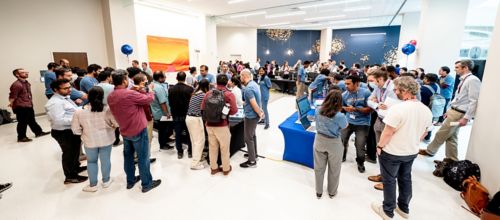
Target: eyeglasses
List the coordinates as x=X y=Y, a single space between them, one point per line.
x=65 y=88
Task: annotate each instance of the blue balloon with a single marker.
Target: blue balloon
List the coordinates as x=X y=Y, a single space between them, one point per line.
x=127 y=49
x=408 y=49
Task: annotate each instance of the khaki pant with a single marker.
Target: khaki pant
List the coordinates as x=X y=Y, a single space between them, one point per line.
x=219 y=137
x=197 y=135
x=327 y=151
x=448 y=134
x=150 y=133
x=301 y=89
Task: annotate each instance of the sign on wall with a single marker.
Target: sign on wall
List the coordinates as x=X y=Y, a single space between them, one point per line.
x=168 y=54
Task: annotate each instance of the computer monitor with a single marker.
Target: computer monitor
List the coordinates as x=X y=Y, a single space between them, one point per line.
x=303 y=106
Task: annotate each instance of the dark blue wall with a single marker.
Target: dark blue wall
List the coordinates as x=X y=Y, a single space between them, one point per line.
x=300 y=41
x=374 y=45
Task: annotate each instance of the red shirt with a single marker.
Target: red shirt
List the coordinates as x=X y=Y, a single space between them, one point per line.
x=127 y=107
x=229 y=98
x=20 y=91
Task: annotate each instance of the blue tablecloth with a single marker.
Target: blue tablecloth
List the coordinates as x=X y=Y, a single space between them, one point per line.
x=298 y=142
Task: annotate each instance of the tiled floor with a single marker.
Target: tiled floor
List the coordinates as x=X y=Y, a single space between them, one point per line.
x=275 y=190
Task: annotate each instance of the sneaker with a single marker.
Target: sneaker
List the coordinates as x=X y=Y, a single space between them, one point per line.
x=136 y=179
x=401 y=213
x=377 y=208
x=43 y=133
x=107 y=184
x=24 y=139
x=227 y=172
x=166 y=147
x=77 y=179
x=246 y=157
x=361 y=168
x=198 y=167
x=318 y=195
x=155 y=184
x=376 y=178
x=424 y=152
x=4 y=187
x=89 y=188
x=248 y=164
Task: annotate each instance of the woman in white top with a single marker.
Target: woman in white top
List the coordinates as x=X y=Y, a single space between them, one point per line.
x=97 y=126
x=235 y=86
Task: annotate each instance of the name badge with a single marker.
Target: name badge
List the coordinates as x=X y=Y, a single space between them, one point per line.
x=352 y=116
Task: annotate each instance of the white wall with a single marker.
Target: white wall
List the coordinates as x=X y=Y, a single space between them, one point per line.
x=409 y=31
x=121 y=29
x=160 y=22
x=32 y=30
x=234 y=41
x=483 y=144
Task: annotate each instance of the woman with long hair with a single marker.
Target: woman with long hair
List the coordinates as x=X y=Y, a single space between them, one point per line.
x=265 y=86
x=194 y=124
x=96 y=125
x=234 y=85
x=328 y=148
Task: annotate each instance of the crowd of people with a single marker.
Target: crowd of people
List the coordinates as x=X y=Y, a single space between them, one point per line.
x=388 y=108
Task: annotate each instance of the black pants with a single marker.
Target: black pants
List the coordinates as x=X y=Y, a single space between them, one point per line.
x=164 y=131
x=25 y=117
x=371 y=142
x=361 y=132
x=70 y=145
x=181 y=134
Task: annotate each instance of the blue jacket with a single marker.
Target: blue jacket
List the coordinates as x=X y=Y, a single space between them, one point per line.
x=265 y=85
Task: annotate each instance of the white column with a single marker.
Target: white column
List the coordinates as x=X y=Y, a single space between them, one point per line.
x=409 y=31
x=483 y=143
x=440 y=33
x=208 y=55
x=325 y=41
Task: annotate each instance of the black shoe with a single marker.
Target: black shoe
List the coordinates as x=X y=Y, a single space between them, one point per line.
x=152 y=160
x=166 y=147
x=155 y=184
x=246 y=157
x=266 y=127
x=4 y=187
x=136 y=179
x=261 y=122
x=77 y=179
x=82 y=168
x=180 y=156
x=248 y=164
x=343 y=159
x=318 y=195
x=367 y=159
x=331 y=196
x=24 y=139
x=190 y=155
x=43 y=133
x=361 y=168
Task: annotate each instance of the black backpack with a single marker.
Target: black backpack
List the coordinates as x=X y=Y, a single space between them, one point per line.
x=214 y=105
x=5 y=117
x=455 y=173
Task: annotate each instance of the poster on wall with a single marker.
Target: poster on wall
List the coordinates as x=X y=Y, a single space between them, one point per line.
x=168 y=54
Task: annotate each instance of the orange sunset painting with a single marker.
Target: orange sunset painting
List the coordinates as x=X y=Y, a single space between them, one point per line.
x=168 y=54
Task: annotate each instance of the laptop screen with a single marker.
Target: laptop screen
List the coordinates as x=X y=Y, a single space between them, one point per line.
x=303 y=106
x=305 y=122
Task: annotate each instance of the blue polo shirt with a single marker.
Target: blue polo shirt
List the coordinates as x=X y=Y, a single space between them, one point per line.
x=48 y=78
x=330 y=126
x=301 y=74
x=450 y=81
x=358 y=99
x=265 y=85
x=161 y=97
x=87 y=83
x=209 y=77
x=341 y=85
x=251 y=91
x=318 y=84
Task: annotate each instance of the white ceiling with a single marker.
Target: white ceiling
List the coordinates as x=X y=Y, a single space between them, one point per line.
x=312 y=14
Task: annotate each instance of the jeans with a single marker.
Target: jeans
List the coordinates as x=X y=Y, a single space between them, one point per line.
x=250 y=126
x=163 y=130
x=180 y=127
x=70 y=146
x=104 y=155
x=391 y=168
x=139 y=144
x=266 y=113
x=361 y=132
x=26 y=117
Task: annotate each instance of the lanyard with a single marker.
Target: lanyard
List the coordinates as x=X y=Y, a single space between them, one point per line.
x=462 y=83
x=383 y=91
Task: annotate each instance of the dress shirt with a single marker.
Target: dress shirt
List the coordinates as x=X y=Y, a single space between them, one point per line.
x=60 y=110
x=467 y=95
x=127 y=107
x=20 y=91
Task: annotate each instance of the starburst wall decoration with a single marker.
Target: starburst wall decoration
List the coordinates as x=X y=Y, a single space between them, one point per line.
x=338 y=46
x=316 y=47
x=279 y=34
x=391 y=56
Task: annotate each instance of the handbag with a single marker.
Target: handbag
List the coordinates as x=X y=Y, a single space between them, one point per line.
x=475 y=195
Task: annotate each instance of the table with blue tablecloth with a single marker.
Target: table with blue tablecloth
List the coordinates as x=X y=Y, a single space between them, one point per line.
x=298 y=142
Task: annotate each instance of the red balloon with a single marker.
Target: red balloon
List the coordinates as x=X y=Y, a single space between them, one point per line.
x=413 y=42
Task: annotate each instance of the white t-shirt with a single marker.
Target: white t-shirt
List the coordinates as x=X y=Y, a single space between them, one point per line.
x=410 y=119
x=237 y=94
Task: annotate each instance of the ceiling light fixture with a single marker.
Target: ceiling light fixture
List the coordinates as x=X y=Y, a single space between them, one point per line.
x=236 y=1
x=328 y=4
x=287 y=14
x=274 y=24
x=357 y=9
x=324 y=18
x=248 y=14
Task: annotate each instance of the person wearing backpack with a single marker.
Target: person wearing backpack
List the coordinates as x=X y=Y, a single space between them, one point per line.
x=216 y=107
x=429 y=92
x=462 y=110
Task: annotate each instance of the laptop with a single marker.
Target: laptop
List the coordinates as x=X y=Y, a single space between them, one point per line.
x=307 y=125
x=303 y=106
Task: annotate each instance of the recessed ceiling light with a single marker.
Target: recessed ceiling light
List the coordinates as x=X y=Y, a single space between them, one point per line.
x=357 y=9
x=274 y=24
x=324 y=18
x=328 y=4
x=236 y=1
x=287 y=14
x=248 y=14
